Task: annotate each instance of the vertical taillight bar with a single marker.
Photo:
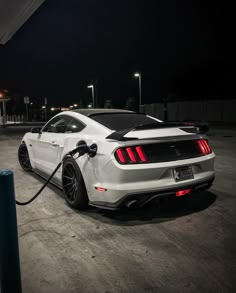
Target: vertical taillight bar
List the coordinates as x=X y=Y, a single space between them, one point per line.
x=131 y=155
x=121 y=156
x=141 y=154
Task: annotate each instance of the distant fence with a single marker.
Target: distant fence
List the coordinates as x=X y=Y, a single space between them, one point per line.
x=12 y=119
x=208 y=110
x=15 y=118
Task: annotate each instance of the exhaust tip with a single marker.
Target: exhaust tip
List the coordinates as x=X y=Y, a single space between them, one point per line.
x=131 y=203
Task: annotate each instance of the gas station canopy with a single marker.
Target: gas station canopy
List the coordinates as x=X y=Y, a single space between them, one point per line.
x=13 y=14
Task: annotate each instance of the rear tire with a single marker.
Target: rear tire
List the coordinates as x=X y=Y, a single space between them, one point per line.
x=73 y=185
x=23 y=157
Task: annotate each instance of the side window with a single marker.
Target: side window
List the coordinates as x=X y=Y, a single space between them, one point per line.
x=50 y=124
x=60 y=126
x=75 y=126
x=57 y=125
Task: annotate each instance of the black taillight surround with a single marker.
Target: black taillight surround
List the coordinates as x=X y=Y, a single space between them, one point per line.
x=162 y=152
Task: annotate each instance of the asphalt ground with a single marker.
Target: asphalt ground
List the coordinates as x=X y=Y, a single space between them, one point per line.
x=184 y=245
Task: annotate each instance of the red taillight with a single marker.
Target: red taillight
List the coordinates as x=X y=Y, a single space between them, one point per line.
x=182 y=192
x=120 y=156
x=203 y=146
x=208 y=149
x=131 y=155
x=141 y=154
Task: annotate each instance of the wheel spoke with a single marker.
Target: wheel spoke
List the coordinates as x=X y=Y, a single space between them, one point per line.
x=69 y=178
x=74 y=194
x=70 y=172
x=71 y=188
x=68 y=184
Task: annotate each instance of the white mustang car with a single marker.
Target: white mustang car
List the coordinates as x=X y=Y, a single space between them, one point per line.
x=131 y=158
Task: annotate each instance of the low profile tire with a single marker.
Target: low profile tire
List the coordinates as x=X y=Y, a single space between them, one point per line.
x=23 y=157
x=73 y=185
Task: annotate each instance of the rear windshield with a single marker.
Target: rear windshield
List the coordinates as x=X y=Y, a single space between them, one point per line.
x=119 y=121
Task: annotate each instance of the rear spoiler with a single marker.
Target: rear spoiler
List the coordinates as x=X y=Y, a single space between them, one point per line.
x=120 y=134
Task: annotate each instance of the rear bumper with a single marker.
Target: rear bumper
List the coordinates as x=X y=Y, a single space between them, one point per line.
x=142 y=198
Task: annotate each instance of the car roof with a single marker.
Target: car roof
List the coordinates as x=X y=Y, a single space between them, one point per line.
x=97 y=111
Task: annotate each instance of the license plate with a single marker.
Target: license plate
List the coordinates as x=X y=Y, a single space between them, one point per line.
x=183 y=173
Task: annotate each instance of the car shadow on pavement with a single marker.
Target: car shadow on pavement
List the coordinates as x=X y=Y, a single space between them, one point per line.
x=162 y=210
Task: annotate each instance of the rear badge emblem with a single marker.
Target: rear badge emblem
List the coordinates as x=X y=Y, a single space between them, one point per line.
x=178 y=153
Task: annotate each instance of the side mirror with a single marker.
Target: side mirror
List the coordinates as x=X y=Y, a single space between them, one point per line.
x=35 y=130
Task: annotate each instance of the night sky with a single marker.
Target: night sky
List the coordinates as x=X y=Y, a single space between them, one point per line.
x=180 y=47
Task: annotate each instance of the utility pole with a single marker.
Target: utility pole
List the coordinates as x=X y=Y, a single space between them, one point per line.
x=26 y=102
x=4 y=112
x=45 y=104
x=3 y=99
x=138 y=75
x=91 y=86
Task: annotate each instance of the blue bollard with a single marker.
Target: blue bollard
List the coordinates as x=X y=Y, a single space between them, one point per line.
x=10 y=278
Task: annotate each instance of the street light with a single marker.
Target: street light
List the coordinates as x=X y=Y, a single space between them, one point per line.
x=138 y=75
x=91 y=86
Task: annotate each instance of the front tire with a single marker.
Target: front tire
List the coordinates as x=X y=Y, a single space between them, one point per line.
x=73 y=185
x=24 y=159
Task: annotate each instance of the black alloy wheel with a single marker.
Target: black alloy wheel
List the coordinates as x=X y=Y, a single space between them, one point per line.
x=23 y=157
x=73 y=185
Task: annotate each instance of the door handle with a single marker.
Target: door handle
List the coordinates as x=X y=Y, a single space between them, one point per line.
x=54 y=144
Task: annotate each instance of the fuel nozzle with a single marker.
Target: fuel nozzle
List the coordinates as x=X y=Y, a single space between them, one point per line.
x=93 y=150
x=82 y=148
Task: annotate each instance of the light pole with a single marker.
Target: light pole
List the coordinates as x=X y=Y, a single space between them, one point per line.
x=45 y=104
x=91 y=86
x=140 y=87
x=31 y=111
